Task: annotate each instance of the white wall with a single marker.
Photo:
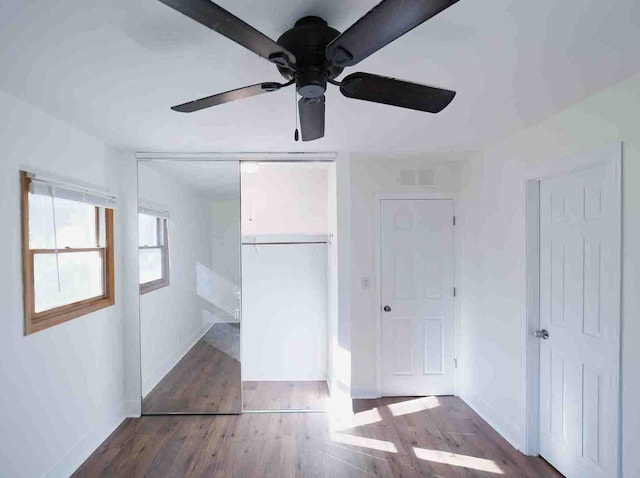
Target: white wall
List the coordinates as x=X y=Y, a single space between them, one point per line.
x=173 y=318
x=332 y=279
x=129 y=290
x=225 y=224
x=285 y=198
x=284 y=287
x=62 y=388
x=368 y=177
x=224 y=273
x=340 y=252
x=492 y=286
x=284 y=312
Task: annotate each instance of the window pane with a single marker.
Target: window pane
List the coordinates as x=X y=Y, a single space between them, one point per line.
x=75 y=223
x=150 y=265
x=40 y=222
x=102 y=226
x=80 y=278
x=148 y=230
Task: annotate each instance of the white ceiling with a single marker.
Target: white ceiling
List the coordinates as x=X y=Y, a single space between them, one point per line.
x=114 y=67
x=221 y=179
x=211 y=179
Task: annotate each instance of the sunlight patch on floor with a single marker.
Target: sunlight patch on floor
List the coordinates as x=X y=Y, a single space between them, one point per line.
x=363 y=442
x=454 y=459
x=413 y=406
x=359 y=419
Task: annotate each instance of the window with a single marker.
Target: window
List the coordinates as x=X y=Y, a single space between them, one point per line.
x=67 y=249
x=153 y=244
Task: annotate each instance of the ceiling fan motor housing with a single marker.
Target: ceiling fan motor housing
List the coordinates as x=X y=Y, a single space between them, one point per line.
x=312 y=54
x=308 y=40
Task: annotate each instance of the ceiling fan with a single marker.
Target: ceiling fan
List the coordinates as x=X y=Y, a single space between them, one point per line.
x=312 y=54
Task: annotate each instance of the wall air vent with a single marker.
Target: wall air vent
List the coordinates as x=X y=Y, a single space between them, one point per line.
x=417 y=178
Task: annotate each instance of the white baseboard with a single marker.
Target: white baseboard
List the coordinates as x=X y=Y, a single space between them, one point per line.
x=133 y=408
x=364 y=394
x=218 y=320
x=504 y=427
x=88 y=444
x=172 y=361
x=319 y=378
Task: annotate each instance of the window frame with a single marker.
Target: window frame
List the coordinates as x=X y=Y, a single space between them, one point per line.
x=37 y=321
x=162 y=231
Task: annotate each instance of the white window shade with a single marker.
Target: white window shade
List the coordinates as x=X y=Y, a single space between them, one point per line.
x=45 y=187
x=151 y=209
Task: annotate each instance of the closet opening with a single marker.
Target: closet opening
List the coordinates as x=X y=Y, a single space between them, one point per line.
x=288 y=226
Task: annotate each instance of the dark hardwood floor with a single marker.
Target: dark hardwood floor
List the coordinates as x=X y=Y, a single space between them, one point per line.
x=404 y=437
x=308 y=395
x=206 y=380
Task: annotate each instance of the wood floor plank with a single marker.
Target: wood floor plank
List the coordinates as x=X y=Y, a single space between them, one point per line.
x=387 y=438
x=285 y=395
x=205 y=380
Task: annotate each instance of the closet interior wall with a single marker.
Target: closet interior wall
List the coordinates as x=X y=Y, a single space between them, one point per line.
x=286 y=286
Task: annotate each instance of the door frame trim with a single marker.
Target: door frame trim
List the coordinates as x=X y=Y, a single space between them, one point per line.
x=568 y=165
x=377 y=283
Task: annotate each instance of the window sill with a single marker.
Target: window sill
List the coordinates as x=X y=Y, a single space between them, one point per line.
x=49 y=318
x=153 y=285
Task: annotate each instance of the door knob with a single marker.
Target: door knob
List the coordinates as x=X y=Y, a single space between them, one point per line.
x=386 y=308
x=542 y=334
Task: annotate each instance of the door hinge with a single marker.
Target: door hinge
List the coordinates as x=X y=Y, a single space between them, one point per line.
x=455 y=363
x=455 y=291
x=454 y=220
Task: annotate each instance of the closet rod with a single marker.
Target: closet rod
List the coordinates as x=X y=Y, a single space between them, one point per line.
x=281 y=243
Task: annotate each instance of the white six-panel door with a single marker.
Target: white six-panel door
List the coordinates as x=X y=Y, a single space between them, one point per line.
x=416 y=279
x=580 y=231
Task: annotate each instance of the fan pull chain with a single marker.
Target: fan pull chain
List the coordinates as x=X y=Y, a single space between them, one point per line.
x=296 y=135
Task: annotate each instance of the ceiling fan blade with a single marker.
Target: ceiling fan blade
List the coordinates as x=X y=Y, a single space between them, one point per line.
x=220 y=20
x=227 y=96
x=311 y=118
x=385 y=22
x=389 y=91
